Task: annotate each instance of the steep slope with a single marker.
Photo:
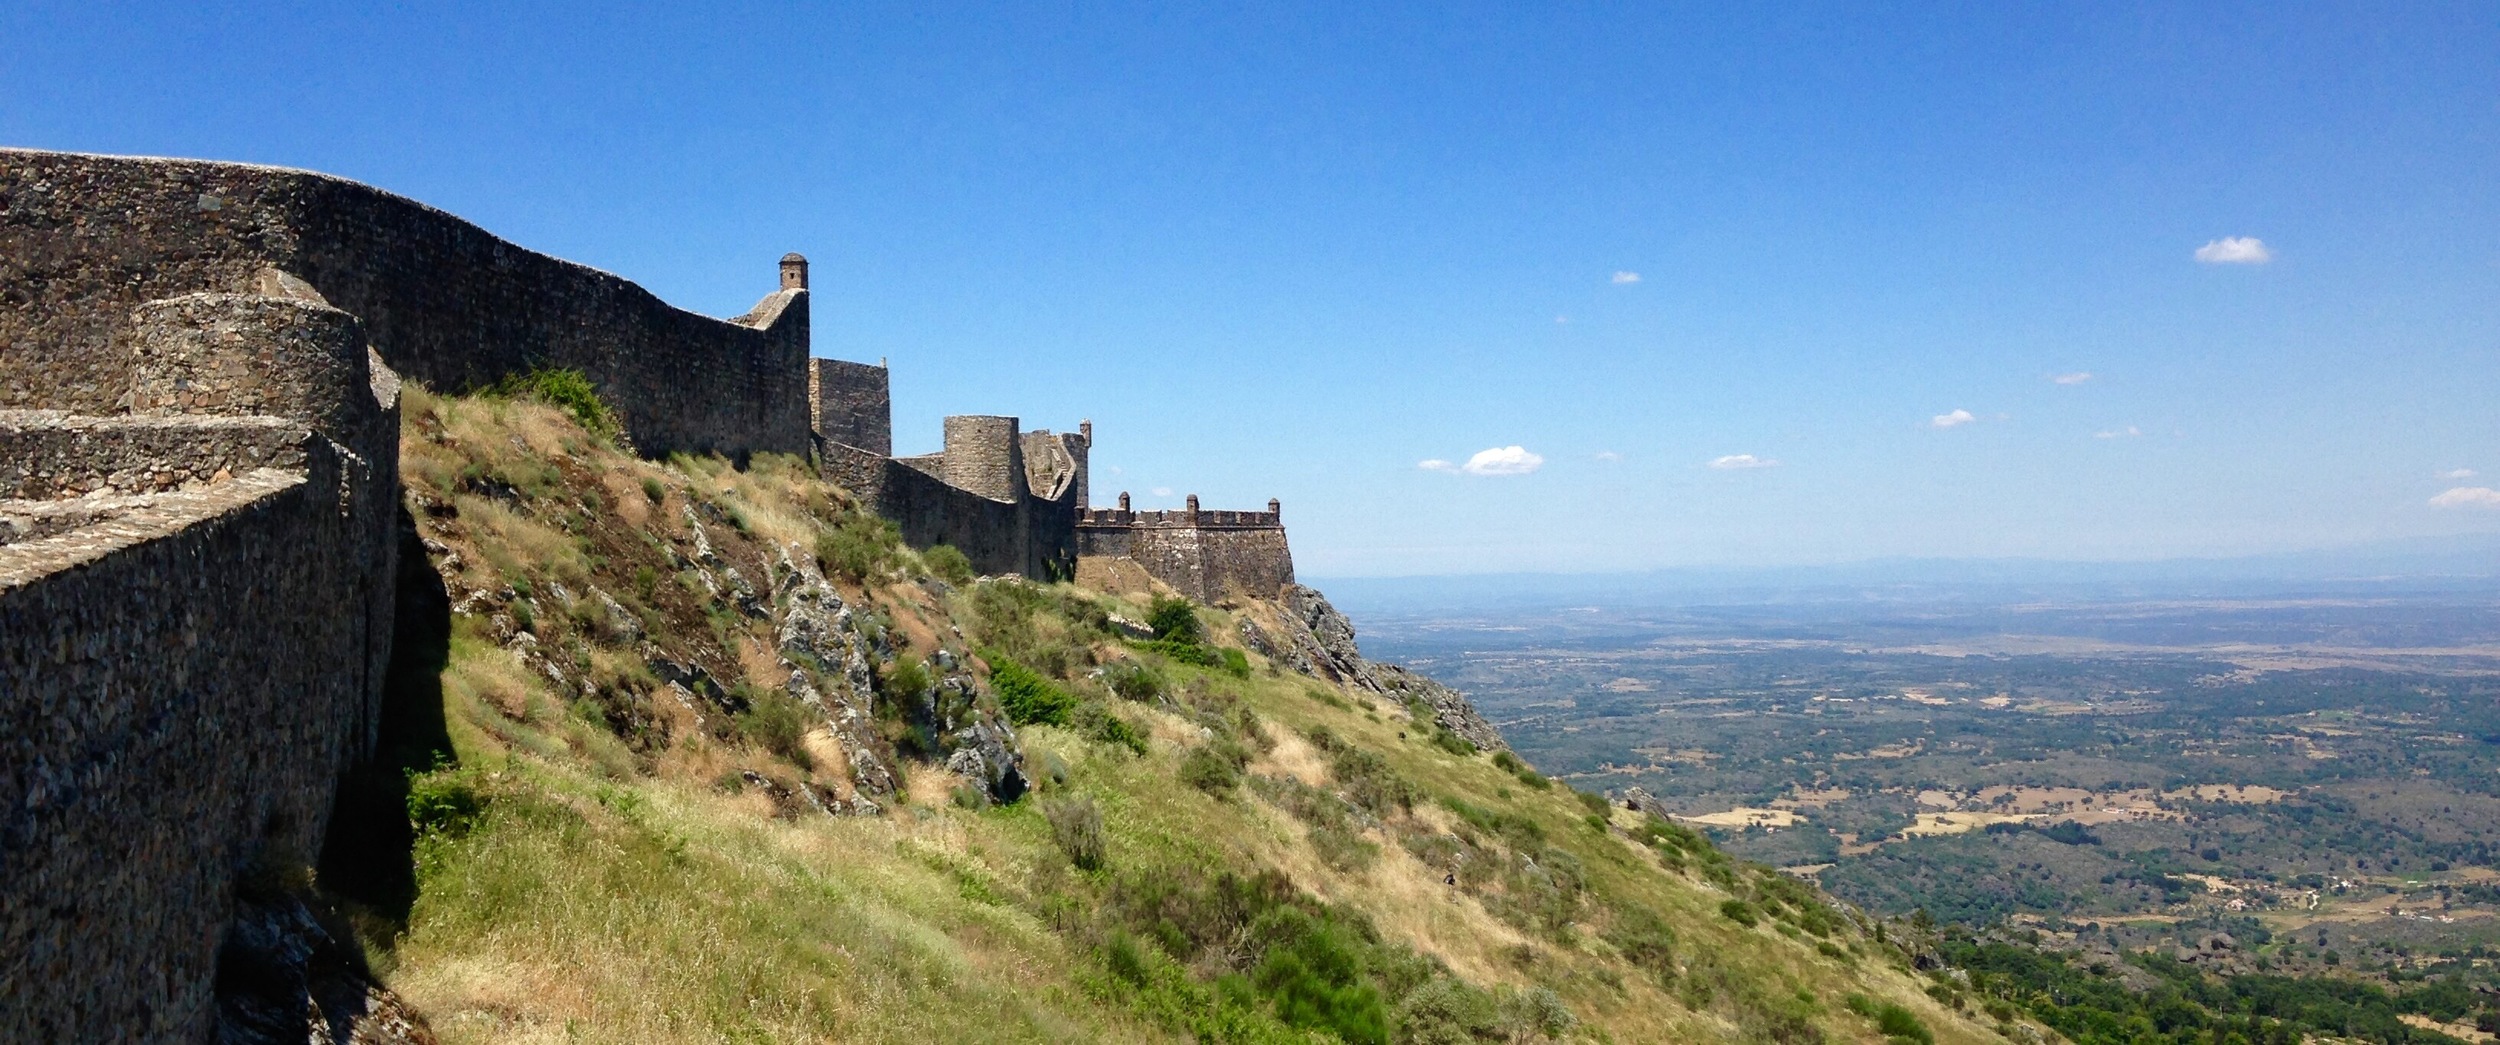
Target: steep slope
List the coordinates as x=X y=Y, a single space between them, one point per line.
x=701 y=754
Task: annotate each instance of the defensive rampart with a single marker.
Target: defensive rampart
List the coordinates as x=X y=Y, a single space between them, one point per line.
x=1207 y=555
x=85 y=239
x=195 y=616
x=852 y=404
x=976 y=495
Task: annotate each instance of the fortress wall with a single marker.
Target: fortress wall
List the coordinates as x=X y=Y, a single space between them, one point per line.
x=195 y=618
x=179 y=686
x=852 y=404
x=985 y=455
x=1029 y=536
x=1208 y=555
x=48 y=454
x=84 y=240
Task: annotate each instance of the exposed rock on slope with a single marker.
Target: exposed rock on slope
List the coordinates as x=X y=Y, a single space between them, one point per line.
x=1316 y=640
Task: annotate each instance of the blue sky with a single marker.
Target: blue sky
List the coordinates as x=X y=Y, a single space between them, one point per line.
x=1295 y=252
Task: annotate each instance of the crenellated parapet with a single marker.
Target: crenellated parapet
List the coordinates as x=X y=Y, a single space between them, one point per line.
x=1206 y=554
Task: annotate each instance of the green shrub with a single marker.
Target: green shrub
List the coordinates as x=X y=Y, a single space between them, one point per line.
x=1214 y=767
x=1026 y=696
x=1184 y=652
x=1076 y=824
x=1900 y=1024
x=1741 y=913
x=1312 y=969
x=861 y=547
x=775 y=722
x=565 y=389
x=652 y=491
x=445 y=802
x=1103 y=725
x=1173 y=619
x=949 y=564
x=906 y=680
x=1133 y=680
x=1236 y=663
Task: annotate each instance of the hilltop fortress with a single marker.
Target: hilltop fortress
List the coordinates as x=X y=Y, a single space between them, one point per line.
x=202 y=541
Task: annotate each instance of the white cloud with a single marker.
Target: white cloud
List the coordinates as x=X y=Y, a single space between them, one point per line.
x=1626 y=277
x=2457 y=473
x=1955 y=419
x=1163 y=491
x=1735 y=461
x=1504 y=460
x=1562 y=321
x=2468 y=497
x=1436 y=465
x=2128 y=432
x=2235 y=250
x=2076 y=378
x=1608 y=455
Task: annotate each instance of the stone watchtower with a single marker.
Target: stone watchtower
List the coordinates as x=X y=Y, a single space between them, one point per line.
x=794 y=271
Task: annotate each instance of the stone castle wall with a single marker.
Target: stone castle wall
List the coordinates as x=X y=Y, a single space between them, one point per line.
x=85 y=239
x=1207 y=555
x=1030 y=536
x=195 y=618
x=852 y=404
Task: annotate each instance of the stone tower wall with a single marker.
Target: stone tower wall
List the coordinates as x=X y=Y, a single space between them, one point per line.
x=852 y=404
x=85 y=239
x=985 y=456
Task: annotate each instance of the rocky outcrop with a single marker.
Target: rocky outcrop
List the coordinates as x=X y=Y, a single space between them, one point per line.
x=1449 y=707
x=820 y=641
x=1317 y=640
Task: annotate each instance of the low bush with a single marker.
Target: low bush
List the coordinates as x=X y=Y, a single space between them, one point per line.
x=775 y=722
x=948 y=564
x=1076 y=825
x=1133 y=680
x=565 y=389
x=1026 y=696
x=1741 y=913
x=861 y=547
x=1173 y=619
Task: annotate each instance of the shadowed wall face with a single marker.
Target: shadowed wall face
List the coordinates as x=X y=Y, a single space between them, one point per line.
x=195 y=617
x=852 y=404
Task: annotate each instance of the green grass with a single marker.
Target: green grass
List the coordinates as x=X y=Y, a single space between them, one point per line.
x=1212 y=852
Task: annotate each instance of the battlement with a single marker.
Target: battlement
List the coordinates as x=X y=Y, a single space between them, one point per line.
x=1206 y=554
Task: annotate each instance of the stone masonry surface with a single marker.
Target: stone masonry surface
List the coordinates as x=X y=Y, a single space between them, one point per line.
x=85 y=240
x=1206 y=555
x=195 y=614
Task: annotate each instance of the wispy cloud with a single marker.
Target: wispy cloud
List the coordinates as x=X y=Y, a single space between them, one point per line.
x=2457 y=473
x=1607 y=455
x=1733 y=462
x=2076 y=378
x=1504 y=460
x=2468 y=497
x=1163 y=491
x=2128 y=432
x=1562 y=321
x=1435 y=464
x=2235 y=250
x=1955 y=419
x=1622 y=277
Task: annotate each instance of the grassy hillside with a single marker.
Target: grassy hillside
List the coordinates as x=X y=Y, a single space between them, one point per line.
x=715 y=759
